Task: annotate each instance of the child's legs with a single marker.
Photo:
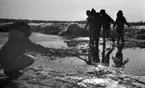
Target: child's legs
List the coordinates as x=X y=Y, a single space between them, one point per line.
x=120 y=35
x=96 y=59
x=122 y=38
x=13 y=73
x=104 y=45
x=20 y=63
x=118 y=39
x=91 y=42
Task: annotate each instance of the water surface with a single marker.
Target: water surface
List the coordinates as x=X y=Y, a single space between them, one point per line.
x=136 y=56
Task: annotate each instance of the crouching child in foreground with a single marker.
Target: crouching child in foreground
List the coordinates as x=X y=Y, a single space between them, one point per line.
x=12 y=55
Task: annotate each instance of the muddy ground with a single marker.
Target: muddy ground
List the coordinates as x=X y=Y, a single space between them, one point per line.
x=61 y=63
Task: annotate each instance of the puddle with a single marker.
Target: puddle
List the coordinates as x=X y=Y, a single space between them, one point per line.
x=53 y=44
x=67 y=64
x=136 y=63
x=135 y=66
x=49 y=41
x=70 y=61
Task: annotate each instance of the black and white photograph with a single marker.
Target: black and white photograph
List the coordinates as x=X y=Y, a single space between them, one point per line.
x=72 y=44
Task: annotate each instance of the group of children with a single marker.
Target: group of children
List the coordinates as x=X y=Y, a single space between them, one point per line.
x=12 y=54
x=98 y=20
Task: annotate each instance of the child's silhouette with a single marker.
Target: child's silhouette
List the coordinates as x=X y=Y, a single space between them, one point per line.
x=97 y=30
x=106 y=21
x=120 y=21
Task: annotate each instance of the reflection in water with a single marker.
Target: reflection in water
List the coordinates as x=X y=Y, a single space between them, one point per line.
x=118 y=59
x=136 y=55
x=107 y=56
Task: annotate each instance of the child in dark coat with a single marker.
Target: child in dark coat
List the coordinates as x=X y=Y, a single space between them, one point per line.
x=120 y=21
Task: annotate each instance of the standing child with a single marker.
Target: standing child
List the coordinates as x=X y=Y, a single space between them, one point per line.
x=91 y=24
x=106 y=22
x=120 y=21
x=97 y=30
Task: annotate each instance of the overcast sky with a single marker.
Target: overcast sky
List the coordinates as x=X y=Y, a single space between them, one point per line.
x=134 y=10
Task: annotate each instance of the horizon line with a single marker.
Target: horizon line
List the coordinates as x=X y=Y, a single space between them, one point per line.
x=51 y=20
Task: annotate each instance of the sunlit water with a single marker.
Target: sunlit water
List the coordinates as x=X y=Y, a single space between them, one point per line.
x=49 y=41
x=136 y=56
x=135 y=66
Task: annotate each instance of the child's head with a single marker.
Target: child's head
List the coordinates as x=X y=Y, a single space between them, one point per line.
x=22 y=26
x=88 y=12
x=120 y=13
x=93 y=11
x=95 y=14
x=102 y=11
